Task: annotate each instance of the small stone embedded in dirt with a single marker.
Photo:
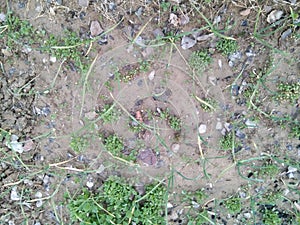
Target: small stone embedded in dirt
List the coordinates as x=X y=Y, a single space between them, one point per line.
x=6 y=52
x=240 y=134
x=204 y=37
x=158 y=33
x=184 y=19
x=52 y=59
x=2 y=17
x=175 y=147
x=14 y=145
x=245 y=12
x=219 y=126
x=100 y=169
x=89 y=184
x=173 y=19
x=14 y=194
x=250 y=124
x=151 y=75
x=140 y=188
x=187 y=42
x=28 y=145
x=217 y=19
x=274 y=16
x=95 y=28
x=140 y=41
x=147 y=156
x=139 y=11
x=202 y=129
x=83 y=3
x=286 y=34
x=90 y=115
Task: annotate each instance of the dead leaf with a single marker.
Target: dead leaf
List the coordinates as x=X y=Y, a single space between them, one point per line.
x=245 y=12
x=95 y=28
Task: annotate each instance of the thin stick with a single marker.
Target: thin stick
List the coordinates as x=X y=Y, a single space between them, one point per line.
x=85 y=81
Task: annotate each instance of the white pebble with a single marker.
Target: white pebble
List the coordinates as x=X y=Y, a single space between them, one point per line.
x=202 y=129
x=89 y=184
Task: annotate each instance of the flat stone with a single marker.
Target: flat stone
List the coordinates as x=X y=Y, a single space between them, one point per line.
x=202 y=129
x=83 y=3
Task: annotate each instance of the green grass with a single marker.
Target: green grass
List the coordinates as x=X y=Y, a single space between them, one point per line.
x=117 y=202
x=199 y=60
x=271 y=217
x=233 y=204
x=79 y=143
x=288 y=92
x=227 y=46
x=109 y=113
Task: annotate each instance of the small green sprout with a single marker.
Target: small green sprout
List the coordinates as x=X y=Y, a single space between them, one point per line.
x=227 y=46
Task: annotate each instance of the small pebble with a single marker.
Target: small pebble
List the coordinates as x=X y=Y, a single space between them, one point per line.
x=89 y=184
x=52 y=59
x=14 y=194
x=202 y=129
x=250 y=124
x=83 y=3
x=219 y=126
x=175 y=147
x=247 y=215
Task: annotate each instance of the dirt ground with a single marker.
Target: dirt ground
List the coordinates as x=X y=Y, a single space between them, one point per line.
x=139 y=64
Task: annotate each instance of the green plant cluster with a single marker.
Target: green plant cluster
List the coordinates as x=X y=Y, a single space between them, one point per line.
x=226 y=142
x=271 y=218
x=211 y=102
x=199 y=60
x=173 y=121
x=109 y=113
x=114 y=145
x=295 y=130
x=17 y=32
x=227 y=46
x=79 y=143
x=234 y=205
x=117 y=202
x=269 y=169
x=288 y=92
x=66 y=47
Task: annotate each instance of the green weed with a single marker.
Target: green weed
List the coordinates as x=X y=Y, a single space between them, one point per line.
x=288 y=92
x=269 y=169
x=174 y=123
x=227 y=46
x=199 y=60
x=271 y=217
x=227 y=141
x=117 y=202
x=208 y=104
x=233 y=204
x=67 y=47
x=79 y=143
x=114 y=144
x=18 y=33
x=109 y=113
